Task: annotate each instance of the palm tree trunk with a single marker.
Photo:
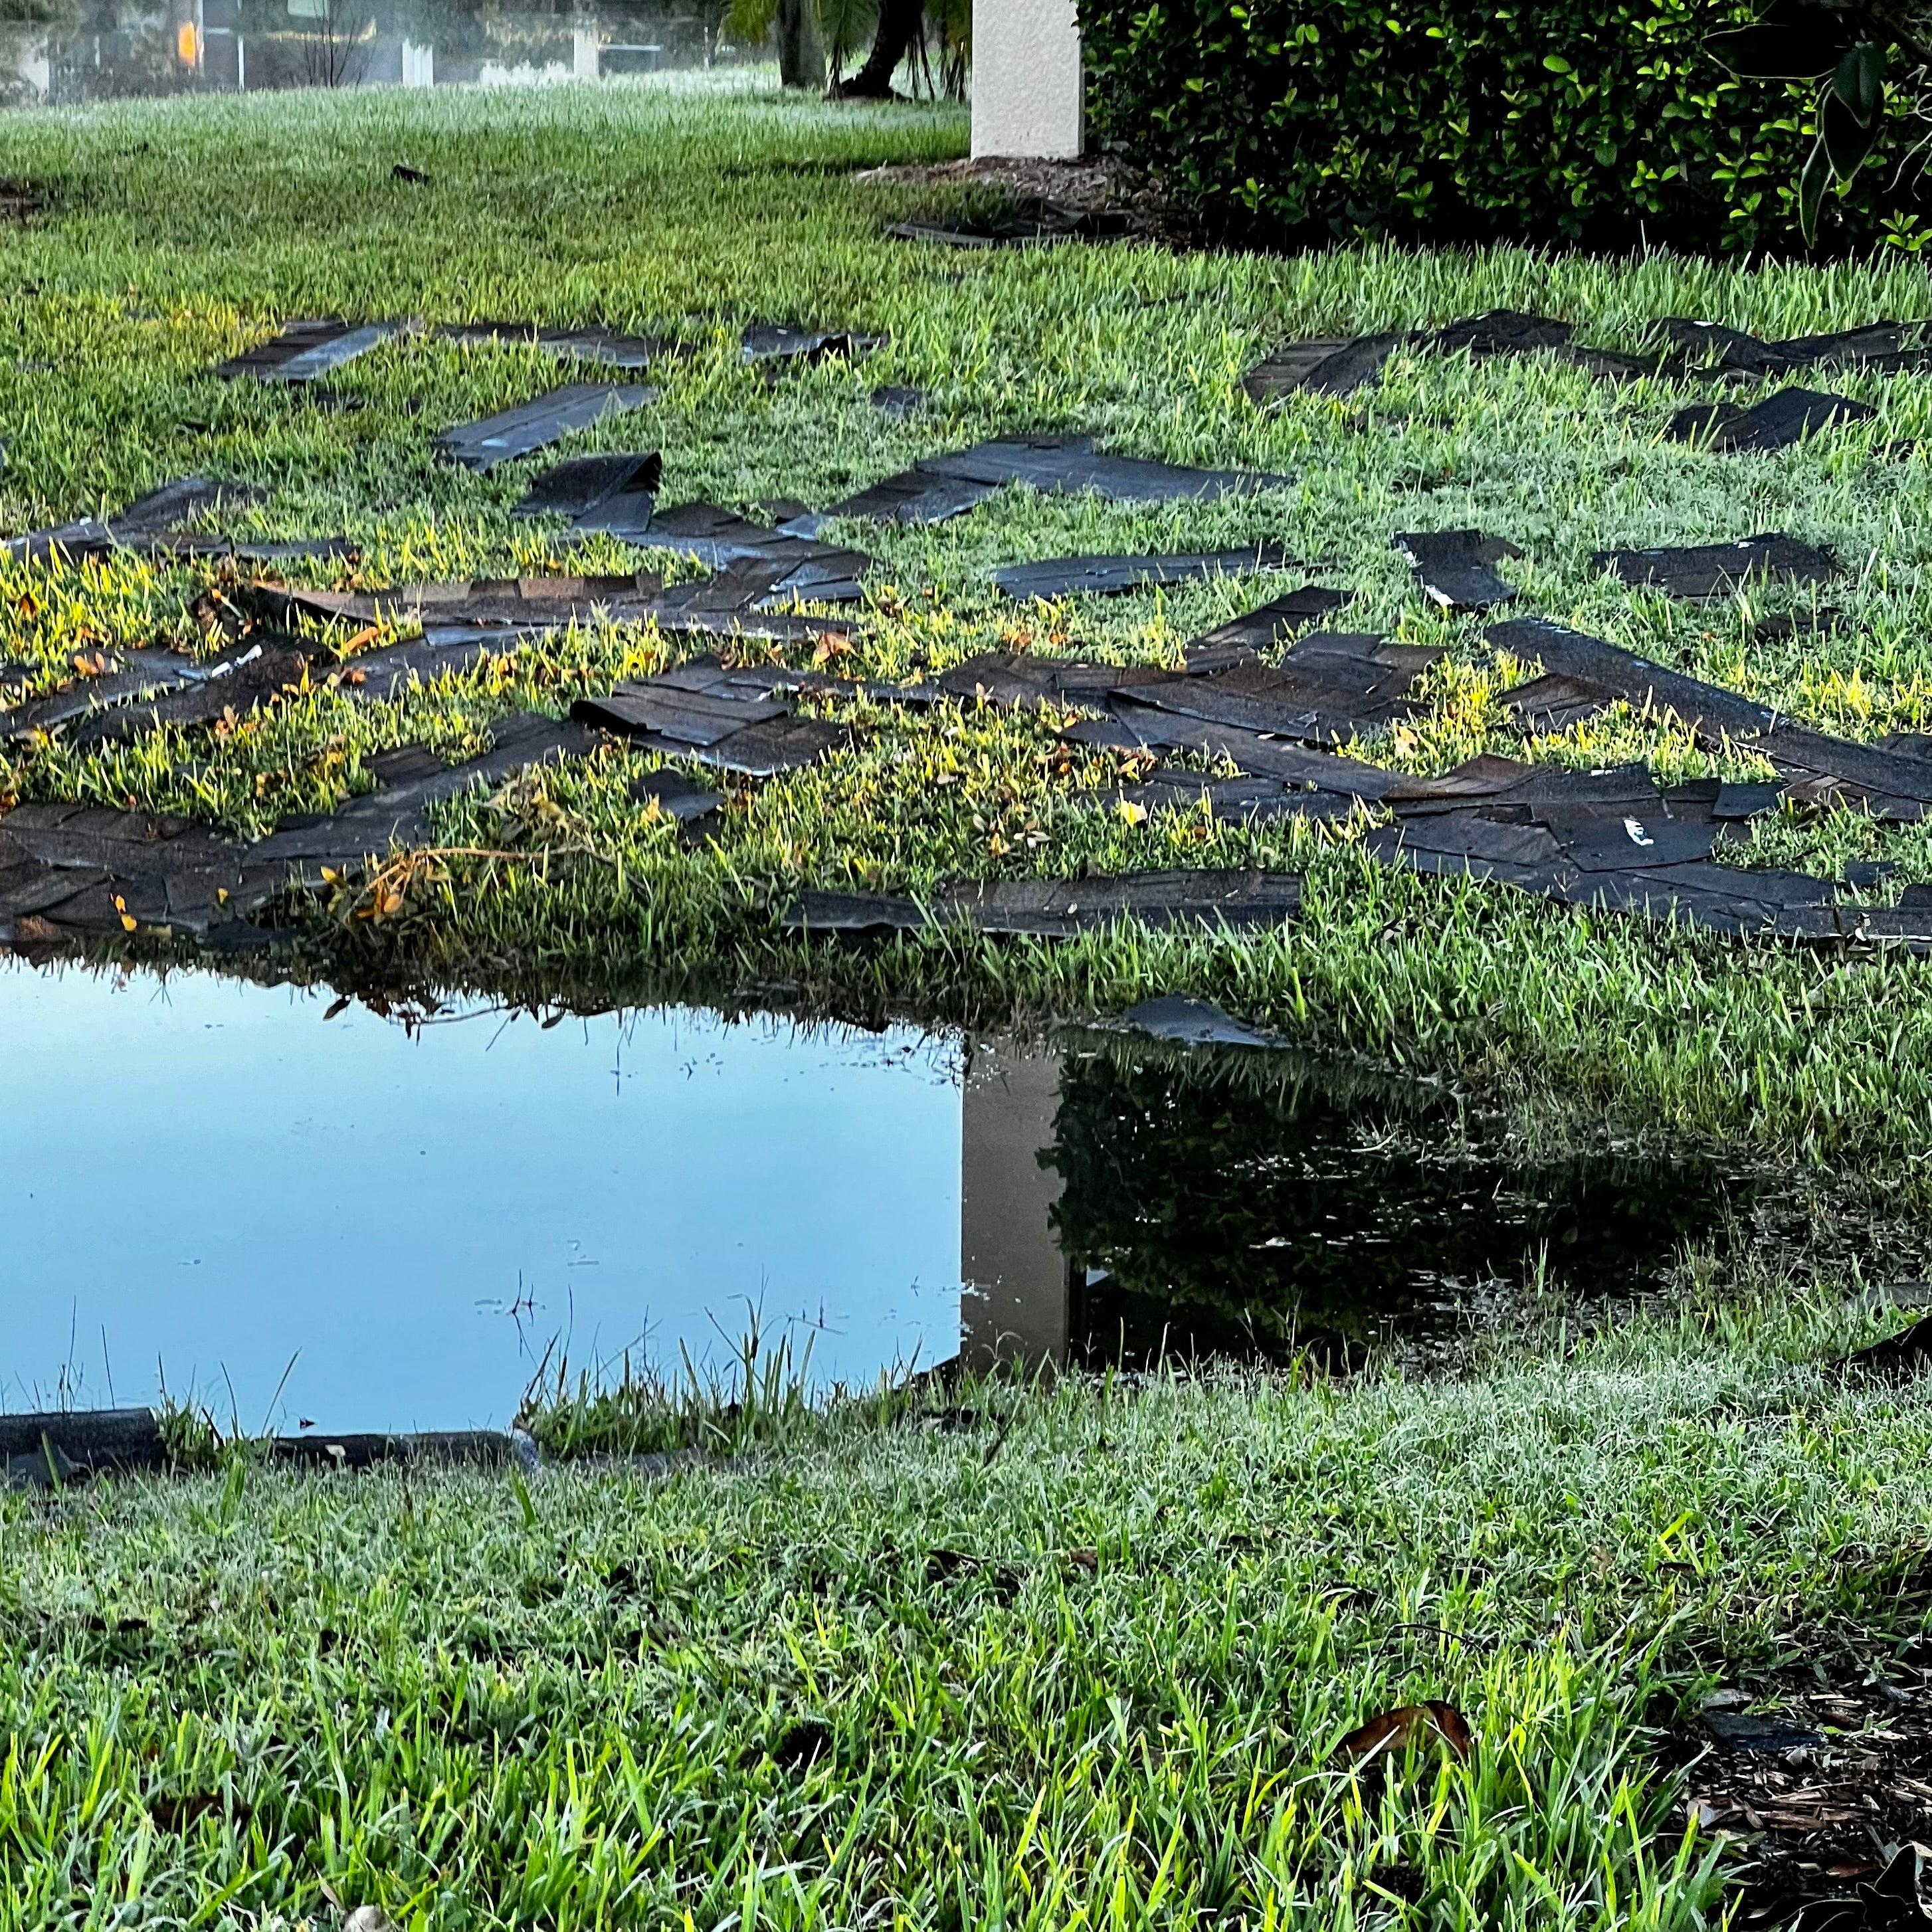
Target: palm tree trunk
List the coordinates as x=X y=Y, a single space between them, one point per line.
x=899 y=24
x=801 y=52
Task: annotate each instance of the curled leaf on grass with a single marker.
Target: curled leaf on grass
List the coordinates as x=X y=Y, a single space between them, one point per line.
x=1391 y=1731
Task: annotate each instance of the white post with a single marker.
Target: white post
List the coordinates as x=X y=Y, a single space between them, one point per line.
x=418 y=64
x=1027 y=79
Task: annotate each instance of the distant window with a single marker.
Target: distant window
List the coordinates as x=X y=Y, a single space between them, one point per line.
x=309 y=9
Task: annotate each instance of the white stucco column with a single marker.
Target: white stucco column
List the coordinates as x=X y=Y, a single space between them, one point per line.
x=1026 y=91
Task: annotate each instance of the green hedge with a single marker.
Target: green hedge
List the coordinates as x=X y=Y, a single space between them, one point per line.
x=1603 y=122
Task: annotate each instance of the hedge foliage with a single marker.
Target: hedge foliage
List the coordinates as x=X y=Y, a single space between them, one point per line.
x=1601 y=122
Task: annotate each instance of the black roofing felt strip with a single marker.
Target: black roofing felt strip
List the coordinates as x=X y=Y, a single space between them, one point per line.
x=302 y=351
x=1110 y=576
x=1634 y=679
x=1718 y=570
x=614 y=495
x=1713 y=350
x=532 y=425
x=1455 y=567
x=1063 y=908
x=85 y=1440
x=1245 y=801
x=1778 y=422
x=704 y=711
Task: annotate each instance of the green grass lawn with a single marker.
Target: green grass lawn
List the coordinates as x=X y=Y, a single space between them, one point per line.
x=176 y=233
x=1056 y=1659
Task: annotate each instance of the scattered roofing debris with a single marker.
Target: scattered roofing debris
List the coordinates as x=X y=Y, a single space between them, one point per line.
x=768 y=344
x=128 y=676
x=612 y=495
x=1585 y=673
x=775 y=566
x=1455 y=568
x=1613 y=839
x=897 y=399
x=1786 y=417
x=241 y=682
x=66 y=1445
x=1254 y=632
x=676 y=797
x=408 y=783
x=1708 y=348
x=1339 y=365
x=591 y=343
x=1030 y=221
x=1718 y=570
x=86 y=870
x=83 y=870
x=151 y=526
x=1328 y=365
x=55 y=1447
x=1109 y=576
x=303 y=351
x=532 y=425
x=936 y=487
x=1830 y=1778
x=463 y=624
x=1060 y=908
x=703 y=710
x=1907 y=1353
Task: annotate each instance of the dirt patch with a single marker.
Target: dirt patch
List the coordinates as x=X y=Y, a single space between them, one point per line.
x=1103 y=187
x=21 y=204
x=1824 y=1778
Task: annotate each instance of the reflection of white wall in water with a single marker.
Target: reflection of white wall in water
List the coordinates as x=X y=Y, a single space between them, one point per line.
x=1014 y=1309
x=1027 y=82
x=418 y=65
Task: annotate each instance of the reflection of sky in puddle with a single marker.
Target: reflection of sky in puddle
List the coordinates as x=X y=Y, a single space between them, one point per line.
x=209 y=1176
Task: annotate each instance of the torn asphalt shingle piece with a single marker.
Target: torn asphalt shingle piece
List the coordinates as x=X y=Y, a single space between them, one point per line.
x=1063 y=908
x=1109 y=576
x=396 y=812
x=1711 y=348
x=532 y=425
x=1254 y=632
x=1718 y=570
x=1816 y=765
x=1333 y=365
x=302 y=351
x=248 y=679
x=1501 y=332
x=702 y=709
x=776 y=566
x=936 y=487
x=1779 y=421
x=590 y=343
x=124 y=678
x=766 y=343
x=1455 y=567
x=612 y=495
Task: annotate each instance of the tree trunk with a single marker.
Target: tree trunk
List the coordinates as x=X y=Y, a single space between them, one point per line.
x=899 y=24
x=801 y=52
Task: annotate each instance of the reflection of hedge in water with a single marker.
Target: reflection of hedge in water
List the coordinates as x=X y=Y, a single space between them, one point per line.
x=1275 y=1191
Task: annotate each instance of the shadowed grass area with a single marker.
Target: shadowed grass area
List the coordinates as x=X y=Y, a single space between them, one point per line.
x=1048 y=1658
x=179 y=233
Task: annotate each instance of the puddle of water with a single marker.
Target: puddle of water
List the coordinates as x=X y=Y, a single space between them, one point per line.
x=292 y=1212
x=109 y=50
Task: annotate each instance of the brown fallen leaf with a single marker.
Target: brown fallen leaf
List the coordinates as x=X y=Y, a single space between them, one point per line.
x=1395 y=1730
